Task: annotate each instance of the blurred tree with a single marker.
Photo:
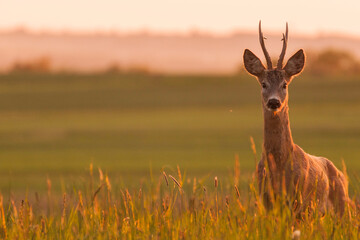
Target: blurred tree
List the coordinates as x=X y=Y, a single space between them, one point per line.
x=139 y=69
x=332 y=61
x=42 y=64
x=114 y=68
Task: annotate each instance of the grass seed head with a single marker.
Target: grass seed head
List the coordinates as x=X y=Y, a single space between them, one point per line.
x=165 y=177
x=237 y=191
x=175 y=181
x=101 y=175
x=179 y=174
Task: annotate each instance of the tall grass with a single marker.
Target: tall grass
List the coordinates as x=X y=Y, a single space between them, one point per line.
x=168 y=207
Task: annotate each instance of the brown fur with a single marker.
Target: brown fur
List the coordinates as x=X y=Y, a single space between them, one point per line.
x=304 y=177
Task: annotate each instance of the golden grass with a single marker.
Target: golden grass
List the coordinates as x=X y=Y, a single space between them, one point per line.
x=186 y=209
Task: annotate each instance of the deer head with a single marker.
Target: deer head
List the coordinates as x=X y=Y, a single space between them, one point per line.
x=274 y=81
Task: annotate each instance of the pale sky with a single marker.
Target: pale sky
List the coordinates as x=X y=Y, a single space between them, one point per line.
x=218 y=16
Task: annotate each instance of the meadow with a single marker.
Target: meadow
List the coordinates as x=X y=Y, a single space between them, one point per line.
x=59 y=132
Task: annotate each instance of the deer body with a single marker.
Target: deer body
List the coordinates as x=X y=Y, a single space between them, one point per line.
x=290 y=169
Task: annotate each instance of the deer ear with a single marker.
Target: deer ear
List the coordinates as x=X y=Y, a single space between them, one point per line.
x=295 y=64
x=252 y=63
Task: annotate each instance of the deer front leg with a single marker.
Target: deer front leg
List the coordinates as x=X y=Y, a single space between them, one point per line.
x=263 y=185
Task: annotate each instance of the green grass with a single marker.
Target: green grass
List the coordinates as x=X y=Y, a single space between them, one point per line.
x=55 y=125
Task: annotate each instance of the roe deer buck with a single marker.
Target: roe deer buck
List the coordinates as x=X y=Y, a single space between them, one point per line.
x=302 y=176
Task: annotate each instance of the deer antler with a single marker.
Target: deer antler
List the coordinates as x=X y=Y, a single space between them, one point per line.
x=282 y=55
x=262 y=43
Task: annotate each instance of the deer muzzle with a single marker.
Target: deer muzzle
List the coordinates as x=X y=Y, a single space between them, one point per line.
x=273 y=103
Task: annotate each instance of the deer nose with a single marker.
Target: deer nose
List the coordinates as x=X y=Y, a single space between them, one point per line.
x=273 y=103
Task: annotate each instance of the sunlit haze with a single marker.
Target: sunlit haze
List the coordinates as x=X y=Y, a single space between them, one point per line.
x=150 y=34
x=305 y=17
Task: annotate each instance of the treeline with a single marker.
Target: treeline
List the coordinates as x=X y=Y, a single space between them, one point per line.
x=44 y=65
x=332 y=61
x=327 y=62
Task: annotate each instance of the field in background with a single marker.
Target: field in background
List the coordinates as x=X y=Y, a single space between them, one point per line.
x=54 y=125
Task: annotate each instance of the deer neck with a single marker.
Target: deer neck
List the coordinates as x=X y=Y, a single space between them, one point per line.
x=278 y=142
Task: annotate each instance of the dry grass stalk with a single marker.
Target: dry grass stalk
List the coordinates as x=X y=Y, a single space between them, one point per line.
x=97 y=191
x=101 y=175
x=237 y=169
x=91 y=168
x=165 y=177
x=3 y=220
x=176 y=182
x=63 y=216
x=194 y=185
x=253 y=148
x=237 y=191
x=140 y=193
x=108 y=185
x=179 y=175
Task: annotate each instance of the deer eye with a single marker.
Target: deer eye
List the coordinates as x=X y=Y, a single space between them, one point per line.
x=284 y=85
x=263 y=85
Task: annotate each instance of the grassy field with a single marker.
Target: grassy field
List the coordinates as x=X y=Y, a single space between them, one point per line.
x=57 y=131
x=170 y=207
x=54 y=126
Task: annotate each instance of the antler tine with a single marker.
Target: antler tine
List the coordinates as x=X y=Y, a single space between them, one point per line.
x=262 y=43
x=282 y=55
